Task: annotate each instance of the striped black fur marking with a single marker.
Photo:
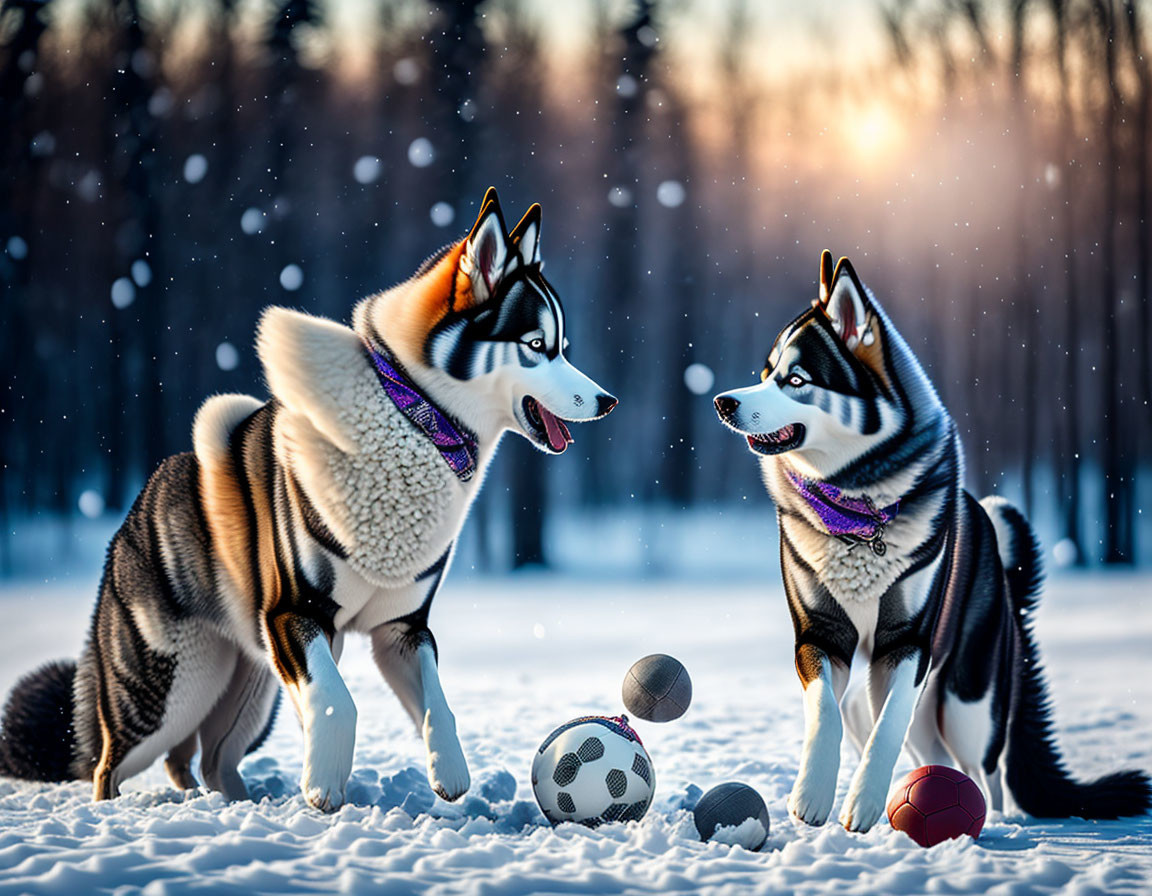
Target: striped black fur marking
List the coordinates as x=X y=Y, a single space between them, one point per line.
x=414 y=626
x=818 y=620
x=474 y=341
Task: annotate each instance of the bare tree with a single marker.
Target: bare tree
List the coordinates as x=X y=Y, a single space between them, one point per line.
x=24 y=24
x=1118 y=498
x=1069 y=457
x=1142 y=134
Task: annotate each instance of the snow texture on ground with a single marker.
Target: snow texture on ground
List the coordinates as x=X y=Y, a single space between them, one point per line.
x=520 y=656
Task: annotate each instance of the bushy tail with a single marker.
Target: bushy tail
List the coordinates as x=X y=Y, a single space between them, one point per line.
x=1035 y=773
x=37 y=738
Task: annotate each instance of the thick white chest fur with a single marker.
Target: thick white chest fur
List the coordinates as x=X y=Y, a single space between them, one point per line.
x=393 y=503
x=851 y=573
x=381 y=486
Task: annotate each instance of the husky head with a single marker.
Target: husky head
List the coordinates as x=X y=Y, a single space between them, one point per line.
x=481 y=330
x=835 y=385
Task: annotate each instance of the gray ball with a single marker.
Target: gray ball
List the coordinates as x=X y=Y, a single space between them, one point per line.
x=657 y=688
x=730 y=805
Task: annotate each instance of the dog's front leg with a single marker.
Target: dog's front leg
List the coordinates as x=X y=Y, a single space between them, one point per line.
x=405 y=653
x=824 y=681
x=302 y=656
x=895 y=681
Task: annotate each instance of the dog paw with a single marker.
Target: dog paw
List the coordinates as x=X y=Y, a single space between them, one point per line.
x=811 y=805
x=324 y=779
x=447 y=767
x=326 y=799
x=862 y=809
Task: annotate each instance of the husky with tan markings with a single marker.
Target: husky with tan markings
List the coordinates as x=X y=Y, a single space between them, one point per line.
x=331 y=507
x=887 y=558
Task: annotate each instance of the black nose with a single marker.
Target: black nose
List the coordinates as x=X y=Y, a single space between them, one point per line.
x=604 y=403
x=726 y=406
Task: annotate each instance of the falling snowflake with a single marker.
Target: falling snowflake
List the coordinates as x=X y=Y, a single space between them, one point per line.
x=699 y=378
x=17 y=248
x=671 y=193
x=195 y=167
x=367 y=169
x=226 y=355
x=141 y=272
x=252 y=221
x=406 y=71
x=91 y=503
x=442 y=214
x=123 y=293
x=621 y=197
x=421 y=153
x=291 y=277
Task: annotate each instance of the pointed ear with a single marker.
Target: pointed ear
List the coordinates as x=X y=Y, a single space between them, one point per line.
x=825 y=276
x=486 y=249
x=846 y=304
x=526 y=235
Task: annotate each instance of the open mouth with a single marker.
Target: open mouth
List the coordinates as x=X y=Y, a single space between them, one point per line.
x=784 y=439
x=545 y=427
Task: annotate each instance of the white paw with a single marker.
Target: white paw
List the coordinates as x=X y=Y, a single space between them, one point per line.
x=327 y=765
x=812 y=797
x=447 y=768
x=326 y=799
x=862 y=808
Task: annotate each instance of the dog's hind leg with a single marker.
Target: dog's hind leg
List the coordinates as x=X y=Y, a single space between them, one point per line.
x=239 y=719
x=923 y=741
x=967 y=728
x=156 y=704
x=179 y=763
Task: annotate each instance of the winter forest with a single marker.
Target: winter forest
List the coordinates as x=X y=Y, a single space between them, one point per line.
x=169 y=168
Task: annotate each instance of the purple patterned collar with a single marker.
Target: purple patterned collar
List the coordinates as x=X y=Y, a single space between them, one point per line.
x=456 y=445
x=854 y=520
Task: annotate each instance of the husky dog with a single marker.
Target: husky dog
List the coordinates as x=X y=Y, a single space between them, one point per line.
x=885 y=554
x=331 y=507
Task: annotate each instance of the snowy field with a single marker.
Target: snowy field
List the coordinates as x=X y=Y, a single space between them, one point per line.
x=520 y=656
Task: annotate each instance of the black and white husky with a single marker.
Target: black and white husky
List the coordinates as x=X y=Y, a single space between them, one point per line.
x=886 y=556
x=331 y=507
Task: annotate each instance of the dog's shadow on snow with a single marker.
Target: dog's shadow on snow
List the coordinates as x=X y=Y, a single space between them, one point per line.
x=1019 y=834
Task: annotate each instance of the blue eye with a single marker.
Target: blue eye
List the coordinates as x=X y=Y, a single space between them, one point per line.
x=795 y=381
x=537 y=345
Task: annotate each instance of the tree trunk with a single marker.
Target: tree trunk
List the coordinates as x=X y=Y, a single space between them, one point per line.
x=1070 y=461
x=1118 y=496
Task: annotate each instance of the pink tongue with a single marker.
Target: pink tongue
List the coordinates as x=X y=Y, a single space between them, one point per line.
x=558 y=436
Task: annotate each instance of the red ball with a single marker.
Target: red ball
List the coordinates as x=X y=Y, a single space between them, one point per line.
x=935 y=803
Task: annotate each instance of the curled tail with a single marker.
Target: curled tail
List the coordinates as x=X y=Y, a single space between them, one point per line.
x=37 y=739
x=1034 y=771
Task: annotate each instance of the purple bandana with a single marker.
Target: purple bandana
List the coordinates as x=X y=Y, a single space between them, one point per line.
x=456 y=446
x=851 y=519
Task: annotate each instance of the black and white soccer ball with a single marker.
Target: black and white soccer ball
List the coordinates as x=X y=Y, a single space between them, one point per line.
x=593 y=770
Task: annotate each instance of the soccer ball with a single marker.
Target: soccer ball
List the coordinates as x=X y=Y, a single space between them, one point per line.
x=593 y=770
x=935 y=803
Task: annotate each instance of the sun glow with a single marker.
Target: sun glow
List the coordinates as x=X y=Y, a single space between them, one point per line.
x=874 y=133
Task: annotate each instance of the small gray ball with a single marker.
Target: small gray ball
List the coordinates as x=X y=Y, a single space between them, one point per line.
x=657 y=688
x=730 y=805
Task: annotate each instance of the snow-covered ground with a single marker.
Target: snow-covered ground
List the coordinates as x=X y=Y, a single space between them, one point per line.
x=520 y=656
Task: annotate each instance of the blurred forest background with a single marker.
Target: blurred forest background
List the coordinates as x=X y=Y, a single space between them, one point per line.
x=168 y=168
